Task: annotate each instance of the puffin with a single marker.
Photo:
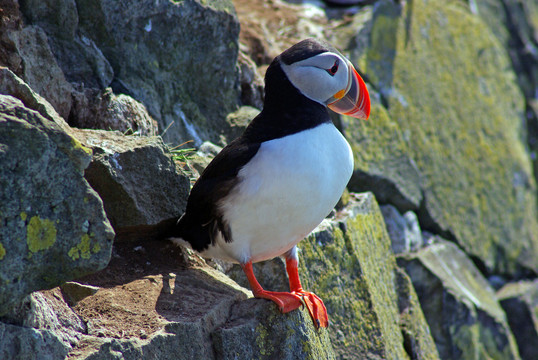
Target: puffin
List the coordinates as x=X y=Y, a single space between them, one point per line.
x=270 y=187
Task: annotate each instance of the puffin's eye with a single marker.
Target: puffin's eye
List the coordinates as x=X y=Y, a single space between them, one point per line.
x=334 y=69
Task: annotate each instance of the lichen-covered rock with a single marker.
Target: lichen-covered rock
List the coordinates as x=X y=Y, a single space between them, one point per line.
x=373 y=309
x=176 y=57
x=157 y=300
x=465 y=318
x=135 y=177
x=520 y=302
x=515 y=24
x=239 y=120
x=382 y=160
x=257 y=330
x=456 y=113
x=418 y=340
x=54 y=227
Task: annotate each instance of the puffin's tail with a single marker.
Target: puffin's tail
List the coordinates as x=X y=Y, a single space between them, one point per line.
x=193 y=231
x=160 y=231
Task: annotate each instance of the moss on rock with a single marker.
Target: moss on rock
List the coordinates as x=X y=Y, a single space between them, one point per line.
x=452 y=97
x=350 y=265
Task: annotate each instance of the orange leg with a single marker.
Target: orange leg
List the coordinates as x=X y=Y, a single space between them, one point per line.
x=314 y=304
x=286 y=301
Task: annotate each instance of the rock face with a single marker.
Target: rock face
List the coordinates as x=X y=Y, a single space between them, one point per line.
x=458 y=144
x=96 y=109
x=447 y=153
x=183 y=310
x=460 y=306
x=54 y=227
x=520 y=302
x=135 y=176
x=178 y=58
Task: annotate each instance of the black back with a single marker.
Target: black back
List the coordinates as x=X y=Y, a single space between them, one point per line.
x=286 y=111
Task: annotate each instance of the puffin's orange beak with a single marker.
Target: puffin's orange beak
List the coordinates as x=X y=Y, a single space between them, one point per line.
x=354 y=100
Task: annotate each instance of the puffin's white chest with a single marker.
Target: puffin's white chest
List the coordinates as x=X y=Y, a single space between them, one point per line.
x=285 y=191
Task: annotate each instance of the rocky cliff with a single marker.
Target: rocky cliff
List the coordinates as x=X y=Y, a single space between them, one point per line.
x=431 y=254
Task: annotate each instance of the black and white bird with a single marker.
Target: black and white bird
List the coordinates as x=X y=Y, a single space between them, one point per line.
x=273 y=185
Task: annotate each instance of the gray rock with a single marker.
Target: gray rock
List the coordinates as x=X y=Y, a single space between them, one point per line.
x=11 y=21
x=80 y=59
x=195 y=312
x=73 y=292
x=57 y=18
x=47 y=310
x=239 y=120
x=271 y=275
x=11 y=84
x=520 y=302
x=102 y=109
x=257 y=330
x=404 y=230
x=178 y=58
x=55 y=228
x=135 y=176
x=17 y=342
x=252 y=85
x=40 y=69
x=460 y=306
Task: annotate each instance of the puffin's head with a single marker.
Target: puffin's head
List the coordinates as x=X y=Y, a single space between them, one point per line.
x=324 y=75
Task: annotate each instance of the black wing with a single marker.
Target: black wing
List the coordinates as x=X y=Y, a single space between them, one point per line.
x=203 y=220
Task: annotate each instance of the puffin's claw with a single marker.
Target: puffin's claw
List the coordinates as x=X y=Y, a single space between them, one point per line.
x=315 y=307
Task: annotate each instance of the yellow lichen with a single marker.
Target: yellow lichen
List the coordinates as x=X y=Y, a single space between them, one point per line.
x=2 y=251
x=77 y=145
x=82 y=249
x=40 y=234
x=24 y=216
x=261 y=340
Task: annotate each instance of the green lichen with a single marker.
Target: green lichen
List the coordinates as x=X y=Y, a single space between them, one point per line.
x=40 y=234
x=77 y=145
x=82 y=249
x=2 y=251
x=348 y=269
x=454 y=109
x=263 y=341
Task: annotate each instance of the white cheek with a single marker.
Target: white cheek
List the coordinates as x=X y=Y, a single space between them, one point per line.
x=313 y=82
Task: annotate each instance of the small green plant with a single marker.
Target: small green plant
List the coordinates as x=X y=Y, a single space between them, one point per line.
x=182 y=157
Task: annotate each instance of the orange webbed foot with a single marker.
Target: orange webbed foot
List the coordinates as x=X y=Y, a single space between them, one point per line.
x=315 y=307
x=289 y=301
x=285 y=301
